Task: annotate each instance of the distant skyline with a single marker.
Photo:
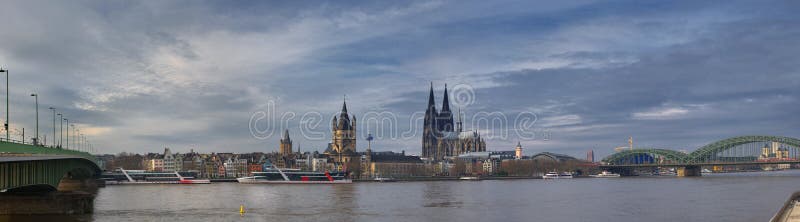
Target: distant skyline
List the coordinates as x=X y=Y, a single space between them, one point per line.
x=141 y=76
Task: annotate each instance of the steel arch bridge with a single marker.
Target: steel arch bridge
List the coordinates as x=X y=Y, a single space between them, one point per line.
x=27 y=168
x=767 y=151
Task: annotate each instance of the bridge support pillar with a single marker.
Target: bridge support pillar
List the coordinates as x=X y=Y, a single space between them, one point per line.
x=88 y=185
x=689 y=171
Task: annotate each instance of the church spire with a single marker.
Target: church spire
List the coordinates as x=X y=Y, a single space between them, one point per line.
x=431 y=102
x=460 y=123
x=444 y=120
x=344 y=105
x=344 y=118
x=446 y=101
x=286 y=135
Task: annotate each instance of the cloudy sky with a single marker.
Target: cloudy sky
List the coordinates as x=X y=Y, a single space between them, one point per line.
x=141 y=76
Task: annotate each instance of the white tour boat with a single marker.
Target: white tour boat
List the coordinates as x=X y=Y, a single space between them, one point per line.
x=145 y=177
x=295 y=176
x=606 y=174
x=556 y=175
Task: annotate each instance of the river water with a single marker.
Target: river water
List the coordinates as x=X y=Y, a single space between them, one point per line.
x=717 y=197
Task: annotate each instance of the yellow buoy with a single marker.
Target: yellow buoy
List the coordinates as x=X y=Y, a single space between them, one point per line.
x=241 y=209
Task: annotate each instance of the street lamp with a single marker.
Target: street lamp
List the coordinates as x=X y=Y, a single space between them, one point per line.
x=83 y=142
x=73 y=136
x=54 y=126
x=36 y=140
x=67 y=120
x=77 y=137
x=8 y=134
x=60 y=131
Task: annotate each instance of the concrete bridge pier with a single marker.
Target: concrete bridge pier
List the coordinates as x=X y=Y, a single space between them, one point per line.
x=689 y=171
x=85 y=185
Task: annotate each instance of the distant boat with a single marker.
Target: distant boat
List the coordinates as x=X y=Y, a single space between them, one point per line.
x=606 y=174
x=144 y=177
x=707 y=171
x=469 y=178
x=384 y=179
x=295 y=176
x=556 y=175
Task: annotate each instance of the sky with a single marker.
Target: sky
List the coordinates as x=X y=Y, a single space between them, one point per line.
x=557 y=76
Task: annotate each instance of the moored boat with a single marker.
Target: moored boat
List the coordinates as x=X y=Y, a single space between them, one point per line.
x=295 y=176
x=384 y=179
x=145 y=177
x=606 y=174
x=556 y=175
x=469 y=178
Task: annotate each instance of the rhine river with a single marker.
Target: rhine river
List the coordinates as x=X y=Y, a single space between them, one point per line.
x=716 y=197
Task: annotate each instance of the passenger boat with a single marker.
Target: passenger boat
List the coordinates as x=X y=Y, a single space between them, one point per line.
x=556 y=175
x=606 y=174
x=384 y=179
x=295 y=176
x=145 y=177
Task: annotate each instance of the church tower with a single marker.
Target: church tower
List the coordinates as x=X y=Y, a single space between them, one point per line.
x=286 y=144
x=344 y=132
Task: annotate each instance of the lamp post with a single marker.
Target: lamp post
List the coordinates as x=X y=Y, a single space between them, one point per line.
x=73 y=137
x=83 y=142
x=54 y=126
x=8 y=134
x=60 y=131
x=67 y=120
x=36 y=139
x=77 y=137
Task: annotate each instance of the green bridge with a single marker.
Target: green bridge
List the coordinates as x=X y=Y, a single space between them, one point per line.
x=741 y=150
x=28 y=168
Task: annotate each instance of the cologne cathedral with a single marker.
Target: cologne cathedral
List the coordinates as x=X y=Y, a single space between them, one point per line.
x=441 y=137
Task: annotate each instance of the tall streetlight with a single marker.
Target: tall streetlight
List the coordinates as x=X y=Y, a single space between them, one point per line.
x=73 y=136
x=77 y=137
x=83 y=142
x=36 y=140
x=54 y=126
x=8 y=133
x=60 y=131
x=67 y=120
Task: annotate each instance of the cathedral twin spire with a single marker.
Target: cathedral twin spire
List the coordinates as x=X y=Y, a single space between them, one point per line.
x=441 y=121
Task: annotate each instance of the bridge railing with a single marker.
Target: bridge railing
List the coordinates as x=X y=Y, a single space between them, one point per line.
x=22 y=148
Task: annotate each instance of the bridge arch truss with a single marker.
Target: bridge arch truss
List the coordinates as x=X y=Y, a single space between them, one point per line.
x=748 y=149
